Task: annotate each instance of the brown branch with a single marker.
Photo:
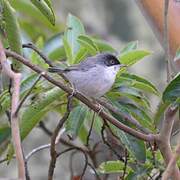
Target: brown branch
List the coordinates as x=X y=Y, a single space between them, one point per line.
x=15 y=77
x=163 y=139
x=90 y=130
x=53 y=152
x=168 y=173
x=102 y=114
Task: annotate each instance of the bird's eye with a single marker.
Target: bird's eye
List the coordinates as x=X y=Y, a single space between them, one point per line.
x=111 y=62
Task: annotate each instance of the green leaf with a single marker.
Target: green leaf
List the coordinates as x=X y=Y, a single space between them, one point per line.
x=88 y=43
x=160 y=112
x=76 y=119
x=132 y=57
x=41 y=23
x=141 y=115
x=36 y=59
x=74 y=29
x=103 y=46
x=132 y=80
x=138 y=113
x=48 y=2
x=129 y=47
x=34 y=112
x=12 y=31
x=45 y=9
x=5 y=132
x=131 y=94
x=135 y=146
x=57 y=54
x=172 y=91
x=83 y=134
x=81 y=55
x=68 y=51
x=25 y=86
x=110 y=167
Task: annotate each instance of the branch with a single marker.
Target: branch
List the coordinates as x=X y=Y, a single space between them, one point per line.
x=102 y=114
x=31 y=46
x=90 y=130
x=168 y=173
x=15 y=77
x=53 y=152
x=163 y=139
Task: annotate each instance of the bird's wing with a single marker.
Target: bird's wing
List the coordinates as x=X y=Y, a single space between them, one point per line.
x=82 y=66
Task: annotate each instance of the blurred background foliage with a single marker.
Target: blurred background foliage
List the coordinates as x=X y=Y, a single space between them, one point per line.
x=66 y=32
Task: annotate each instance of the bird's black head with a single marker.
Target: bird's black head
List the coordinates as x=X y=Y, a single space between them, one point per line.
x=107 y=59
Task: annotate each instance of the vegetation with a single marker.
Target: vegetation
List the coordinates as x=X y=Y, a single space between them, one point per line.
x=126 y=120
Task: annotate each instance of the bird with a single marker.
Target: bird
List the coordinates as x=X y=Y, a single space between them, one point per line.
x=94 y=76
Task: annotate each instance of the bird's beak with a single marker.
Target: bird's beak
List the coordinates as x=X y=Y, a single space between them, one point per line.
x=122 y=65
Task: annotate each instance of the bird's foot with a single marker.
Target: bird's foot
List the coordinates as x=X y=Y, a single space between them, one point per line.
x=74 y=91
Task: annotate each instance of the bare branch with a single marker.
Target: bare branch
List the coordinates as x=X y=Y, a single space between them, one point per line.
x=168 y=173
x=53 y=152
x=34 y=151
x=90 y=130
x=15 y=77
x=163 y=139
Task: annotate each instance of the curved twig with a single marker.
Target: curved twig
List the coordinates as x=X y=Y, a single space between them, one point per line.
x=16 y=78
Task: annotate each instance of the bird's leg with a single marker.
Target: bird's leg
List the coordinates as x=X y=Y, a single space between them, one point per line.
x=99 y=106
x=74 y=90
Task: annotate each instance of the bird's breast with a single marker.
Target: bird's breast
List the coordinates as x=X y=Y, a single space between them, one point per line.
x=93 y=83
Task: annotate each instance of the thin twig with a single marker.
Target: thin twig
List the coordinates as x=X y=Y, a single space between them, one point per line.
x=107 y=143
x=85 y=165
x=53 y=152
x=70 y=164
x=34 y=151
x=168 y=173
x=33 y=47
x=125 y=164
x=45 y=58
x=90 y=130
x=16 y=78
x=44 y=128
x=28 y=93
x=94 y=170
x=3 y=160
x=85 y=156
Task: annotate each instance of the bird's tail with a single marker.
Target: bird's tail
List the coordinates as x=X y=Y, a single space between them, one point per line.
x=55 y=70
